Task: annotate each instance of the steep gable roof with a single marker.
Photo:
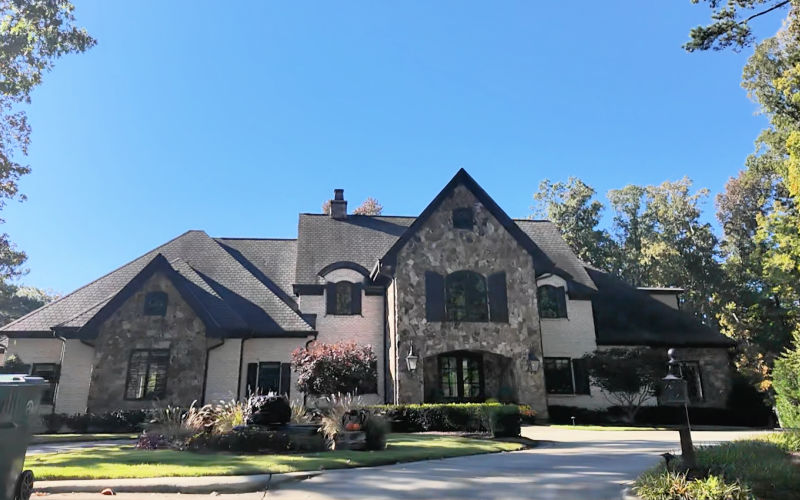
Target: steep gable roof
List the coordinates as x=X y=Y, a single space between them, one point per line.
x=542 y=263
x=202 y=261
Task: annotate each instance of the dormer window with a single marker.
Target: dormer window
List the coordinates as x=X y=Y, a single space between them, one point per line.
x=155 y=304
x=463 y=218
x=552 y=302
x=343 y=298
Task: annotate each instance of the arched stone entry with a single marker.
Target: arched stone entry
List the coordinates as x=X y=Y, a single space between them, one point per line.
x=468 y=376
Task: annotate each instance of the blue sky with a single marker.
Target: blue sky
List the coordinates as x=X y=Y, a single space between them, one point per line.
x=233 y=118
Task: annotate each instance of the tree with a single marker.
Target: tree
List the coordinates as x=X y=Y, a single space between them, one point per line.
x=630 y=230
x=33 y=34
x=572 y=208
x=627 y=377
x=343 y=367
x=17 y=301
x=371 y=206
x=730 y=23
x=787 y=386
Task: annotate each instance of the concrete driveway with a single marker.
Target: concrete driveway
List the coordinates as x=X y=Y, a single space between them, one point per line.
x=570 y=464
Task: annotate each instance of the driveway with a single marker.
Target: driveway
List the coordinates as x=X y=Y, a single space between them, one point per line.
x=570 y=464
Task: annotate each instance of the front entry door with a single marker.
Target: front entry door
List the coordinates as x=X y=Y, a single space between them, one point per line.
x=461 y=376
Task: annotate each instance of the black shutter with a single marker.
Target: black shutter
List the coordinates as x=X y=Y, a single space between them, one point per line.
x=498 y=298
x=562 y=302
x=434 y=296
x=355 y=302
x=286 y=379
x=252 y=378
x=330 y=298
x=581 y=373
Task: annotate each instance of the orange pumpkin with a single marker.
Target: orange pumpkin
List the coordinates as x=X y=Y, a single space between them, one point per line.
x=352 y=426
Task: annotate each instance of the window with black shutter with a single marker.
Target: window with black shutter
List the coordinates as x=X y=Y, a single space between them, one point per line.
x=268 y=377
x=466 y=297
x=343 y=298
x=552 y=301
x=566 y=376
x=147 y=374
x=580 y=371
x=50 y=372
x=434 y=296
x=498 y=298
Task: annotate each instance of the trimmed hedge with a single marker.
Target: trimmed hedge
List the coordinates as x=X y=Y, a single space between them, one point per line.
x=758 y=416
x=114 y=421
x=499 y=419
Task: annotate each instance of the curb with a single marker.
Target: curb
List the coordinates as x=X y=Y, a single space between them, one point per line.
x=197 y=485
x=627 y=494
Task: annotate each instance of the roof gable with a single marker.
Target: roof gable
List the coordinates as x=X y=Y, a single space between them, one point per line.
x=542 y=262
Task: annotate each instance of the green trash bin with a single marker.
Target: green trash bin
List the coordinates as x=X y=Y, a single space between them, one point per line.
x=19 y=408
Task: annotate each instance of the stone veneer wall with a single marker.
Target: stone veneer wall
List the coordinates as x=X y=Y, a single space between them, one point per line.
x=716 y=372
x=180 y=331
x=488 y=248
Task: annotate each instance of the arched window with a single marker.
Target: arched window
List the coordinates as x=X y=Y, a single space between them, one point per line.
x=466 y=297
x=552 y=302
x=343 y=298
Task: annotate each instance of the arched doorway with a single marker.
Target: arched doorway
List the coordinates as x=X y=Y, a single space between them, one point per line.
x=468 y=376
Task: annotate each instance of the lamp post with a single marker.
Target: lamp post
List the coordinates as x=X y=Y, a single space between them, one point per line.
x=675 y=392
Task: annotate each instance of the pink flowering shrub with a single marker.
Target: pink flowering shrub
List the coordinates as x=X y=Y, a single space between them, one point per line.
x=343 y=367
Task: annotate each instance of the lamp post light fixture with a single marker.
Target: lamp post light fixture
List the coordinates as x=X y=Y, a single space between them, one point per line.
x=533 y=362
x=674 y=392
x=411 y=359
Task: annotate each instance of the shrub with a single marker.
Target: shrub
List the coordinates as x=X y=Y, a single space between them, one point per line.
x=152 y=441
x=527 y=415
x=758 y=416
x=78 y=422
x=497 y=418
x=269 y=409
x=333 y=417
x=376 y=429
x=53 y=422
x=229 y=415
x=120 y=421
x=786 y=382
x=247 y=439
x=663 y=484
x=341 y=368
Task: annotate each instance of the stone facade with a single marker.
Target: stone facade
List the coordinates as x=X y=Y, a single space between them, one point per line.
x=128 y=328
x=487 y=248
x=716 y=373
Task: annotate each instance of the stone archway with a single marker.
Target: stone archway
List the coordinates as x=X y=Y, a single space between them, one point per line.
x=468 y=376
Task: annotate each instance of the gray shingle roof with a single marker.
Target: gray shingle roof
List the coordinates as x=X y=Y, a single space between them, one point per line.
x=548 y=238
x=203 y=262
x=361 y=239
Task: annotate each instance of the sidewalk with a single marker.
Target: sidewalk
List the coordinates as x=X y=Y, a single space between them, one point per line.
x=197 y=485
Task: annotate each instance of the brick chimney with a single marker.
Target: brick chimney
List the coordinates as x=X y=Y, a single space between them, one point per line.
x=338 y=208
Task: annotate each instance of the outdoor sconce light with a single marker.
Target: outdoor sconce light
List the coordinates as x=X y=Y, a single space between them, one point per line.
x=533 y=362
x=411 y=359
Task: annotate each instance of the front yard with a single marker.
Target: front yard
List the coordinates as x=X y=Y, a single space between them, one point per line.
x=114 y=462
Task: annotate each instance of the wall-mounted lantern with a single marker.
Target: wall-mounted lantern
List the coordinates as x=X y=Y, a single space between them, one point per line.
x=533 y=362
x=411 y=359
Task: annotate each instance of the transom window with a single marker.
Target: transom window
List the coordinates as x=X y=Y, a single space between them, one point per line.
x=552 y=302
x=147 y=374
x=466 y=297
x=155 y=304
x=461 y=376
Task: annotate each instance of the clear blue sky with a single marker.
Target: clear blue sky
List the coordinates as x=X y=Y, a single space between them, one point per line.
x=233 y=118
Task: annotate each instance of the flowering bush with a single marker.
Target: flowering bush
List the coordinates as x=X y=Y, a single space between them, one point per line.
x=343 y=367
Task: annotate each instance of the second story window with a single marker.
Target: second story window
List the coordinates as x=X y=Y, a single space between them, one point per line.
x=155 y=304
x=466 y=296
x=343 y=298
x=463 y=218
x=552 y=301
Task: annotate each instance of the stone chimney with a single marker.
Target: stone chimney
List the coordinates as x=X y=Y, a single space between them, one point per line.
x=338 y=208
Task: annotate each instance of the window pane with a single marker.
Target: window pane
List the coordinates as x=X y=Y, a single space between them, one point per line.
x=49 y=372
x=157 y=374
x=466 y=297
x=155 y=304
x=558 y=376
x=552 y=301
x=344 y=298
x=137 y=375
x=449 y=376
x=472 y=377
x=269 y=378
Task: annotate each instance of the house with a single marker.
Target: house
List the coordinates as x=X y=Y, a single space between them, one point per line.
x=487 y=306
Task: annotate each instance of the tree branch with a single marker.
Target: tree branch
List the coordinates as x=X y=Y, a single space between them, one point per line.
x=776 y=6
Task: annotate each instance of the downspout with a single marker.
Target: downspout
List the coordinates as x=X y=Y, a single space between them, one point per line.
x=60 y=366
x=241 y=357
x=396 y=395
x=386 y=344
x=205 y=372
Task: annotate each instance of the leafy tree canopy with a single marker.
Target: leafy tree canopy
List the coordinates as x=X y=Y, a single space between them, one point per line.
x=730 y=23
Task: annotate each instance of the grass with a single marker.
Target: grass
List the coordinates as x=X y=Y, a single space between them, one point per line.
x=757 y=467
x=116 y=462
x=75 y=438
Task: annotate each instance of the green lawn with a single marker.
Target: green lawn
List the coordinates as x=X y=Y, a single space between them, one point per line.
x=75 y=438
x=609 y=428
x=128 y=462
x=759 y=467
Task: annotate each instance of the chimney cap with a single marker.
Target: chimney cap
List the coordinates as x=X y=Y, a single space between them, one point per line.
x=338 y=194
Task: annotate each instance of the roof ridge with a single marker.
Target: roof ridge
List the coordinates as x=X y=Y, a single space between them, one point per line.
x=5 y=327
x=251 y=239
x=364 y=215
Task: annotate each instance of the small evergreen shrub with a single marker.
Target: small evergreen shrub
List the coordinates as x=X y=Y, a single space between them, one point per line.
x=269 y=409
x=78 y=422
x=497 y=418
x=376 y=428
x=53 y=422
